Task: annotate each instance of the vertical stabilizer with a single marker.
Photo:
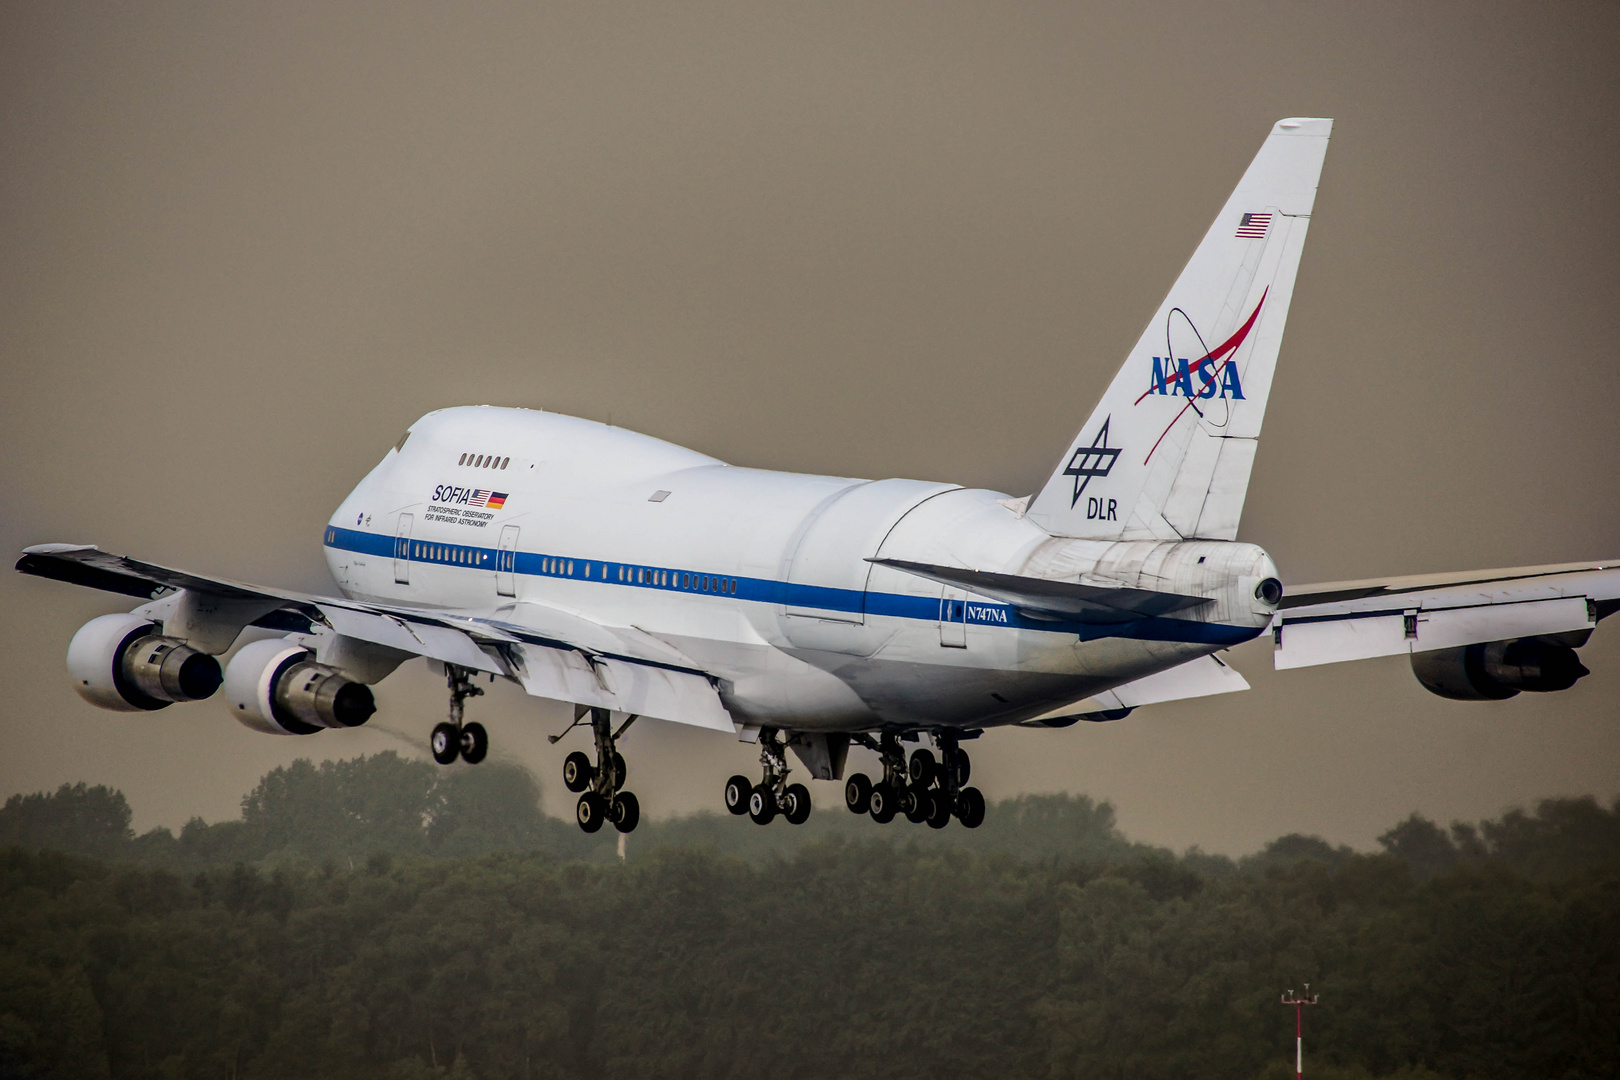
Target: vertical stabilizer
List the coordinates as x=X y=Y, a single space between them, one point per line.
x=1167 y=452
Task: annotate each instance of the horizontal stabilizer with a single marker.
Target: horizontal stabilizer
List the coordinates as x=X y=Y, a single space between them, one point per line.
x=1203 y=677
x=1043 y=597
x=1358 y=620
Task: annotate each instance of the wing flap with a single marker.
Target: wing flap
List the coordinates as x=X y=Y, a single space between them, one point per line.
x=1044 y=596
x=661 y=693
x=423 y=639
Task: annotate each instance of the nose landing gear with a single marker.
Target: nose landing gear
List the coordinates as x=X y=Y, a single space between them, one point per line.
x=602 y=783
x=453 y=739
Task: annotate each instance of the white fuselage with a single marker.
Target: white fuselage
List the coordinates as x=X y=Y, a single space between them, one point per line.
x=762 y=578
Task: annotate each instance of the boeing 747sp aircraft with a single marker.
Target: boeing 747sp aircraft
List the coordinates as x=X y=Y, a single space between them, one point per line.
x=633 y=578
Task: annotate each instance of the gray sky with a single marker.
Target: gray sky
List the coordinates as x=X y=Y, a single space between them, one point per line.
x=242 y=247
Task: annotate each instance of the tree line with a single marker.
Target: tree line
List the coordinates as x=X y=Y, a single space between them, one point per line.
x=379 y=918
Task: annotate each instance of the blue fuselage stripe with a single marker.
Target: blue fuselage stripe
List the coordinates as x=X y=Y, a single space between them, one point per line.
x=769 y=591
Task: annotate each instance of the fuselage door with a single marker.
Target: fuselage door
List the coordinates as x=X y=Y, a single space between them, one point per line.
x=506 y=562
x=402 y=550
x=953 y=619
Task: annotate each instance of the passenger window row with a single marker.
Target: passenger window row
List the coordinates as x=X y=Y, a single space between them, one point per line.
x=711 y=583
x=485 y=461
x=557 y=567
x=449 y=553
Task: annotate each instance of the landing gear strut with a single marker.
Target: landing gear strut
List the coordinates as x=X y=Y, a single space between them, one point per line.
x=772 y=795
x=453 y=739
x=604 y=797
x=923 y=789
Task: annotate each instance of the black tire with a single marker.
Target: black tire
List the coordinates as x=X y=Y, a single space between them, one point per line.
x=738 y=788
x=621 y=768
x=798 y=804
x=444 y=743
x=914 y=803
x=858 y=793
x=939 y=810
x=761 y=805
x=885 y=804
x=591 y=811
x=474 y=743
x=578 y=772
x=964 y=769
x=923 y=768
x=626 y=812
x=970 y=807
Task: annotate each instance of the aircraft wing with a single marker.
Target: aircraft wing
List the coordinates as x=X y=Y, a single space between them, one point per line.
x=553 y=653
x=1046 y=597
x=1355 y=620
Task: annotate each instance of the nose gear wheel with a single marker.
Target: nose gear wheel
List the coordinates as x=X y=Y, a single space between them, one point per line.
x=452 y=738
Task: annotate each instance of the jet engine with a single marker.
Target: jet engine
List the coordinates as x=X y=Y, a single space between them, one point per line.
x=119 y=662
x=277 y=687
x=1494 y=670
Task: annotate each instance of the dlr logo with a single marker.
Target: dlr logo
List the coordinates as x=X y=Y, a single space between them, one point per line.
x=1101 y=509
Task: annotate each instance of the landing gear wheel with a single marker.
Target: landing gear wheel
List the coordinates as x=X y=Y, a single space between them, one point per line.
x=738 y=788
x=883 y=806
x=761 y=805
x=797 y=810
x=621 y=768
x=591 y=811
x=578 y=772
x=922 y=768
x=444 y=743
x=474 y=743
x=970 y=807
x=858 y=793
x=626 y=811
x=939 y=810
x=914 y=803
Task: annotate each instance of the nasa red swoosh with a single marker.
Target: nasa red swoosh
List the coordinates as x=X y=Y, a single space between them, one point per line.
x=1230 y=345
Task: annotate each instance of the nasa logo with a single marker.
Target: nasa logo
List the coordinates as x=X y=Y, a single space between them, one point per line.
x=1096 y=460
x=1174 y=378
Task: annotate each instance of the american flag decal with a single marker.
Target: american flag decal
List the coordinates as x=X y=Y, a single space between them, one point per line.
x=1253 y=226
x=494 y=500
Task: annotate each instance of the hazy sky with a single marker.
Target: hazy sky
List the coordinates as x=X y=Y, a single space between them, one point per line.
x=242 y=247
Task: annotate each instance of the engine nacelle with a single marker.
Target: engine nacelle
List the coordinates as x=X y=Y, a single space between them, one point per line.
x=119 y=662
x=1494 y=670
x=277 y=687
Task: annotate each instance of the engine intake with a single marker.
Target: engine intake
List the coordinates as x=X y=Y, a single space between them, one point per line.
x=118 y=663
x=1495 y=670
x=278 y=688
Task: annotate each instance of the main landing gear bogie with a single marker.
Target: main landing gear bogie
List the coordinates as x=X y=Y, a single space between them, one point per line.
x=925 y=789
x=773 y=795
x=601 y=783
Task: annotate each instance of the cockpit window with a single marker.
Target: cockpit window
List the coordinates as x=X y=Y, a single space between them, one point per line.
x=401 y=444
